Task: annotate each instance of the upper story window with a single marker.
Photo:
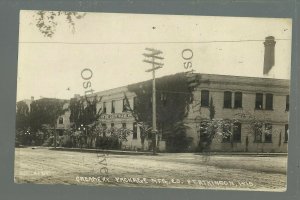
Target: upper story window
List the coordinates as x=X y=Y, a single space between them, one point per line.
x=123 y=125
x=61 y=120
x=104 y=107
x=227 y=99
x=112 y=106
x=259 y=101
x=238 y=100
x=287 y=103
x=269 y=101
x=204 y=98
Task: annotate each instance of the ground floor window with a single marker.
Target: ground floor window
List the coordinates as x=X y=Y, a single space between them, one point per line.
x=286 y=133
x=237 y=132
x=134 y=131
x=268 y=132
x=258 y=133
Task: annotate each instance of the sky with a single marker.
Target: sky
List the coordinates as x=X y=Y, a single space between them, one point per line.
x=111 y=46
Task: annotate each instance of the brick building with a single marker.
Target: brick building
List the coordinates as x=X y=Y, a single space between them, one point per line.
x=265 y=99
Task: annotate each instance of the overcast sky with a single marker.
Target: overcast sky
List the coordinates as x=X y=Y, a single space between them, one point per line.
x=111 y=45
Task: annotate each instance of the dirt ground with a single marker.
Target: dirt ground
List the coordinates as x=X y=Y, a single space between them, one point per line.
x=181 y=170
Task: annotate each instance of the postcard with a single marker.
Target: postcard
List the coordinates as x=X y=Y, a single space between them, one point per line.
x=149 y=100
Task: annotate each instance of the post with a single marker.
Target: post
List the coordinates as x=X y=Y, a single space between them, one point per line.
x=155 y=65
x=154 y=132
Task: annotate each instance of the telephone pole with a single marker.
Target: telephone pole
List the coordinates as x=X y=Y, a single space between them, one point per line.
x=153 y=54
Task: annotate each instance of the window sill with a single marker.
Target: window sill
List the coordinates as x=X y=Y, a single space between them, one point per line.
x=268 y=142
x=257 y=142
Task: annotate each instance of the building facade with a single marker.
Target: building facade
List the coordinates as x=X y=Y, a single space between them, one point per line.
x=263 y=99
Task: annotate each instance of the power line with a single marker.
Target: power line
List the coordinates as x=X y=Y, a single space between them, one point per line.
x=138 y=43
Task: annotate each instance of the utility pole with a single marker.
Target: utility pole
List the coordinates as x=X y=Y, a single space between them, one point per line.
x=153 y=54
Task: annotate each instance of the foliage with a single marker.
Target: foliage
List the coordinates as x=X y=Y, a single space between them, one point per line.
x=172 y=92
x=177 y=140
x=47 y=21
x=22 y=116
x=45 y=111
x=84 y=111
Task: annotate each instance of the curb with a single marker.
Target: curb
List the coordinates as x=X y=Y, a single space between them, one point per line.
x=101 y=151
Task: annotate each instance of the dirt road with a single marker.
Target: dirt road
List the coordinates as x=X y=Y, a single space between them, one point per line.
x=184 y=170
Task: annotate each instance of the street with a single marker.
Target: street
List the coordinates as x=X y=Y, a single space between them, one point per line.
x=171 y=170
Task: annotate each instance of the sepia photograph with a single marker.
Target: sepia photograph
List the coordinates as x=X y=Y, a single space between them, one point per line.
x=152 y=100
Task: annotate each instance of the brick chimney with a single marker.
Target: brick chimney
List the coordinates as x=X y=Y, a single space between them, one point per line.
x=269 y=59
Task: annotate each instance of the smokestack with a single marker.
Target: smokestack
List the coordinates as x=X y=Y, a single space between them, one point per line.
x=269 y=59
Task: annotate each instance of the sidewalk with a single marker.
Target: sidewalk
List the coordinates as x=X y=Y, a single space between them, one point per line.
x=243 y=154
x=121 y=152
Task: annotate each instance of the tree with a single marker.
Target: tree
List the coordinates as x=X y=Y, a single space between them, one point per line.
x=22 y=116
x=22 y=122
x=47 y=21
x=172 y=92
x=45 y=111
x=211 y=129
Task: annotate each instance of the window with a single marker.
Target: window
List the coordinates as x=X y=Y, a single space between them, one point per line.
x=61 y=120
x=268 y=132
x=259 y=101
x=226 y=132
x=162 y=130
x=104 y=129
x=287 y=103
x=238 y=100
x=134 y=135
x=163 y=98
x=258 y=133
x=204 y=98
x=124 y=105
x=104 y=107
x=112 y=125
x=227 y=99
x=269 y=101
x=123 y=125
x=286 y=133
x=237 y=131
x=112 y=106
x=203 y=131
x=104 y=126
x=134 y=103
